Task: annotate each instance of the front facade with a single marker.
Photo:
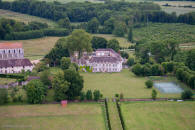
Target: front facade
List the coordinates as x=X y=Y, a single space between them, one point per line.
x=12 y=59
x=102 y=60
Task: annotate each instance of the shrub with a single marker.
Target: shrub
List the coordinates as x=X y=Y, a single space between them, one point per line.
x=137 y=70
x=3 y=96
x=116 y=95
x=82 y=96
x=149 y=83
x=130 y=61
x=187 y=94
x=35 y=91
x=121 y=96
x=97 y=95
x=65 y=63
x=154 y=94
x=89 y=95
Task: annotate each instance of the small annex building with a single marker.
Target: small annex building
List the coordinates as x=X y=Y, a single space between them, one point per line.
x=12 y=59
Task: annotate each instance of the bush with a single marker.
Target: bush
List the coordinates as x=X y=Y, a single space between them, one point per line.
x=97 y=95
x=89 y=95
x=121 y=96
x=82 y=96
x=3 y=96
x=154 y=94
x=130 y=61
x=18 y=94
x=149 y=83
x=137 y=70
x=187 y=94
x=35 y=91
x=65 y=63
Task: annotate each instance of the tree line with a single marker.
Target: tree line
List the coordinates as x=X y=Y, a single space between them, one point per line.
x=13 y=30
x=83 y=12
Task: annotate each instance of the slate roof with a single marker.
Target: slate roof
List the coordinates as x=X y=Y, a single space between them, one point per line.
x=101 y=59
x=10 y=45
x=15 y=63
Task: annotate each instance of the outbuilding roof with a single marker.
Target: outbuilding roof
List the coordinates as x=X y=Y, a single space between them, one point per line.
x=14 y=45
x=15 y=63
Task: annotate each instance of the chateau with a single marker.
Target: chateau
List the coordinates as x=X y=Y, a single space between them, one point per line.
x=102 y=60
x=12 y=59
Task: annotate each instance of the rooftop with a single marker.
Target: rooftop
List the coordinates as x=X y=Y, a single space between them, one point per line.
x=15 y=63
x=14 y=45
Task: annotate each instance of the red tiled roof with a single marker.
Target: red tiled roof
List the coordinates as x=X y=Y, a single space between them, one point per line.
x=10 y=45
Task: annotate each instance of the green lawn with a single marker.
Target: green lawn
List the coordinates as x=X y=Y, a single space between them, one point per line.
x=75 y=116
x=25 y=18
x=124 y=82
x=159 y=115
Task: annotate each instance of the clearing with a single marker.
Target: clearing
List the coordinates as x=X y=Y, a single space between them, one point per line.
x=159 y=115
x=122 y=41
x=25 y=18
x=75 y=116
x=124 y=82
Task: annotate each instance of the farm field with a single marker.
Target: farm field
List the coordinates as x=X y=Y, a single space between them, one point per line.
x=123 y=41
x=66 y=1
x=159 y=115
x=182 y=33
x=178 y=10
x=25 y=18
x=37 y=48
x=75 y=116
x=124 y=82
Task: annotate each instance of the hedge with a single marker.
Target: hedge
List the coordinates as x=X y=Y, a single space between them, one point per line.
x=120 y=115
x=107 y=114
x=37 y=34
x=13 y=76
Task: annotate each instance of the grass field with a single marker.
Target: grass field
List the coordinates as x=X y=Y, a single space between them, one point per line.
x=123 y=41
x=75 y=116
x=178 y=10
x=124 y=82
x=182 y=33
x=114 y=116
x=25 y=18
x=37 y=48
x=159 y=115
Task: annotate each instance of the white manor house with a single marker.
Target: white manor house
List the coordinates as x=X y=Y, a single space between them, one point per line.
x=102 y=60
x=12 y=59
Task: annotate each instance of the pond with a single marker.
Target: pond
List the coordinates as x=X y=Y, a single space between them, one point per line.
x=168 y=87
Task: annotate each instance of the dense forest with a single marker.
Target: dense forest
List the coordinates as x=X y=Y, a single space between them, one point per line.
x=83 y=12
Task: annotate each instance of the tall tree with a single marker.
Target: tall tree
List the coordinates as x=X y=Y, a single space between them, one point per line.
x=65 y=23
x=79 y=41
x=76 y=83
x=172 y=47
x=119 y=29
x=65 y=63
x=60 y=86
x=130 y=34
x=35 y=91
x=99 y=42
x=190 y=61
x=92 y=26
x=114 y=44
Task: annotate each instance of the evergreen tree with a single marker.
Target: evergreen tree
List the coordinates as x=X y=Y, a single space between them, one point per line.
x=130 y=34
